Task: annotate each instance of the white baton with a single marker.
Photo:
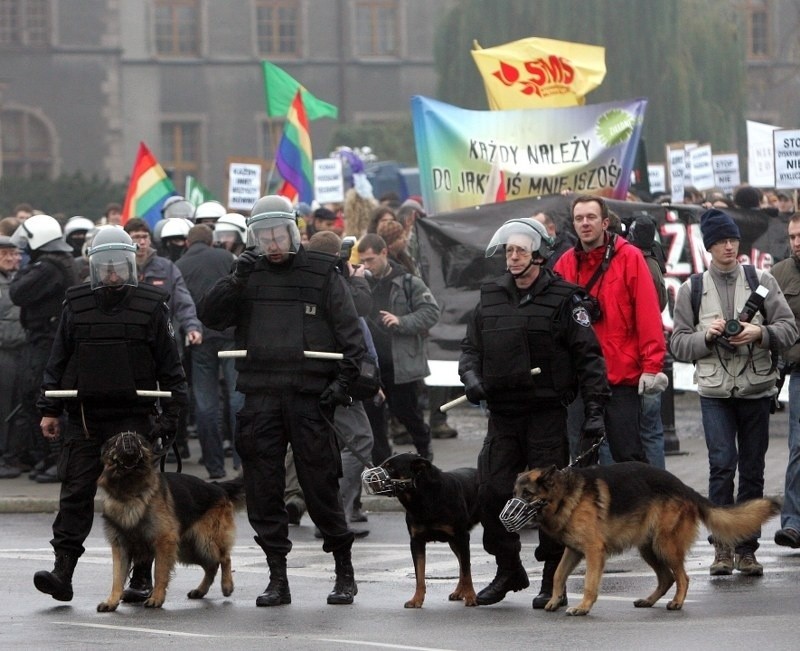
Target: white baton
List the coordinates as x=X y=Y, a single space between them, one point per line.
x=73 y=393
x=311 y=354
x=462 y=399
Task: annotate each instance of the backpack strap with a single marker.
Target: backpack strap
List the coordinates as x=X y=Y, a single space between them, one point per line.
x=697 y=295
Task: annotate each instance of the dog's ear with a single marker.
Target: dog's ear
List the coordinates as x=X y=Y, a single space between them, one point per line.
x=547 y=476
x=425 y=472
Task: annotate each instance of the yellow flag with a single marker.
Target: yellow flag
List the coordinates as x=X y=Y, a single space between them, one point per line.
x=539 y=73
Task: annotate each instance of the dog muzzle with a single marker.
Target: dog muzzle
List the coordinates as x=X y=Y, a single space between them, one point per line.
x=377 y=481
x=517 y=513
x=127 y=452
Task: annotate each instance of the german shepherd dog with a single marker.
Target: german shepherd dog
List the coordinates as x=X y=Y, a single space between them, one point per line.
x=440 y=506
x=604 y=510
x=168 y=517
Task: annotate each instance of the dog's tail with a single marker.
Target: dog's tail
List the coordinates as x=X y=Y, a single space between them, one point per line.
x=234 y=489
x=732 y=524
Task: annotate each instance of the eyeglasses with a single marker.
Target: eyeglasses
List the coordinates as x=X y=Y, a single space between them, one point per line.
x=140 y=236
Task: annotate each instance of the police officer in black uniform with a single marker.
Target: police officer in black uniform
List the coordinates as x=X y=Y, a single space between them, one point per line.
x=284 y=300
x=114 y=338
x=527 y=318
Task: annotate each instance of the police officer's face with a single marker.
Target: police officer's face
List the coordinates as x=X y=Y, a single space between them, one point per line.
x=590 y=226
x=276 y=243
x=114 y=274
x=518 y=255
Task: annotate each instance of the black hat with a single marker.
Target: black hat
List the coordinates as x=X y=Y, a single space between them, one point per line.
x=747 y=197
x=716 y=225
x=325 y=214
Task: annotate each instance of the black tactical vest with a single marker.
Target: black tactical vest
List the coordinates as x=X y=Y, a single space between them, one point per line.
x=286 y=315
x=517 y=338
x=112 y=357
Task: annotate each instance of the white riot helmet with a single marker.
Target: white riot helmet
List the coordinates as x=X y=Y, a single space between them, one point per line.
x=208 y=212
x=175 y=228
x=230 y=228
x=525 y=231
x=270 y=217
x=41 y=233
x=112 y=259
x=75 y=233
x=180 y=209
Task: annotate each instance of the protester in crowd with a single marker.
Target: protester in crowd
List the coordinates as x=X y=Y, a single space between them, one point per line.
x=733 y=345
x=563 y=240
x=137 y=346
x=787 y=275
x=23 y=211
x=379 y=216
x=289 y=398
x=113 y=214
x=12 y=342
x=403 y=310
x=528 y=318
x=322 y=219
x=394 y=235
x=625 y=315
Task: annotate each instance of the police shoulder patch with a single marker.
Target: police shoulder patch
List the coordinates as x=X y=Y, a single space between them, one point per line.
x=581 y=316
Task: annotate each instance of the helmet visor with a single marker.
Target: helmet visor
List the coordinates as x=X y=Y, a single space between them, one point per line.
x=112 y=268
x=518 y=234
x=273 y=235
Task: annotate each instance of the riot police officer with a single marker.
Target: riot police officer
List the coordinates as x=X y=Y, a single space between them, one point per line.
x=527 y=318
x=284 y=300
x=114 y=337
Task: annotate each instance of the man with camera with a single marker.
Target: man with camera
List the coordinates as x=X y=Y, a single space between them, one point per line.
x=732 y=335
x=623 y=307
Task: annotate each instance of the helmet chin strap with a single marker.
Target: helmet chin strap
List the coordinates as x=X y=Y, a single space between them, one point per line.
x=537 y=262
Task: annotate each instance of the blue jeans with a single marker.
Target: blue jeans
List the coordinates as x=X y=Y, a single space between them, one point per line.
x=737 y=437
x=206 y=370
x=652 y=429
x=790 y=515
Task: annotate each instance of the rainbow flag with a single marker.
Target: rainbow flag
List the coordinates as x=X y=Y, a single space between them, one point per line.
x=149 y=187
x=293 y=156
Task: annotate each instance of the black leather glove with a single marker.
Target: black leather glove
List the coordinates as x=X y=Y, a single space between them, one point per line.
x=245 y=263
x=593 y=429
x=473 y=387
x=162 y=436
x=335 y=394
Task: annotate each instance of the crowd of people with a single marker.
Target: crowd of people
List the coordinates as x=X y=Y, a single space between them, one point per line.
x=565 y=351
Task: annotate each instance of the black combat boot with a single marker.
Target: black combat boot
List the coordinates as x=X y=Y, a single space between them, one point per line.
x=58 y=583
x=508 y=578
x=541 y=599
x=140 y=587
x=345 y=587
x=277 y=591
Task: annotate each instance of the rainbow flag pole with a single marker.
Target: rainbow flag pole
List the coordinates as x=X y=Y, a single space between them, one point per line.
x=149 y=187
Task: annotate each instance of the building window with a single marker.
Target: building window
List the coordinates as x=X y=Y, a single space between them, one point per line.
x=180 y=151
x=376 y=28
x=27 y=145
x=24 y=23
x=177 y=28
x=759 y=40
x=278 y=27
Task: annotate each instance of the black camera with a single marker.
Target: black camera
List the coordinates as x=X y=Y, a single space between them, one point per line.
x=592 y=306
x=734 y=326
x=347 y=247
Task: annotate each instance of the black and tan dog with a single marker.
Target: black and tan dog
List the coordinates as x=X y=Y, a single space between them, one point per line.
x=168 y=517
x=605 y=510
x=440 y=506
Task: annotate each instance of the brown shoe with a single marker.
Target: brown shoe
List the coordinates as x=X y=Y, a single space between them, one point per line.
x=747 y=564
x=723 y=561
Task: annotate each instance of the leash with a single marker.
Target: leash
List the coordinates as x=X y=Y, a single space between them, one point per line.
x=586 y=453
x=343 y=440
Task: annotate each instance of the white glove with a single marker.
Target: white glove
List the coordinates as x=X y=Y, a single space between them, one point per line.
x=652 y=383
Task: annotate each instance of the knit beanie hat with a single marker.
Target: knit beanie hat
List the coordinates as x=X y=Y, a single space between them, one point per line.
x=715 y=225
x=390 y=232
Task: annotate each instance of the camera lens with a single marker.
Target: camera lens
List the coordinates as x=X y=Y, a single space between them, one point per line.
x=732 y=328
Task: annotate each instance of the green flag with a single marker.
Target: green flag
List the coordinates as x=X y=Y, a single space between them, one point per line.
x=196 y=193
x=279 y=91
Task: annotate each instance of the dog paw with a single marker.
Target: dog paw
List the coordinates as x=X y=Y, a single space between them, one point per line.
x=107 y=607
x=643 y=603
x=674 y=605
x=553 y=605
x=197 y=594
x=227 y=590
x=153 y=603
x=577 y=611
x=413 y=603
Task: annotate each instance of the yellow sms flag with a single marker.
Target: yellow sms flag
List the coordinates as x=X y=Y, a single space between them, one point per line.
x=539 y=73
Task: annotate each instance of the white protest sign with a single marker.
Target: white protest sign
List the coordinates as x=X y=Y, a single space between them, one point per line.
x=726 y=171
x=702 y=171
x=760 y=154
x=328 y=180
x=787 y=158
x=657 y=175
x=244 y=185
x=676 y=164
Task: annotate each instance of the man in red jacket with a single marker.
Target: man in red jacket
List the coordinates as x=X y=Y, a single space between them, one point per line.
x=626 y=318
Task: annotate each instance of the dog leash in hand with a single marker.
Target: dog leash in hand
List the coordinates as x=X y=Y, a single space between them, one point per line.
x=343 y=440
x=586 y=453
